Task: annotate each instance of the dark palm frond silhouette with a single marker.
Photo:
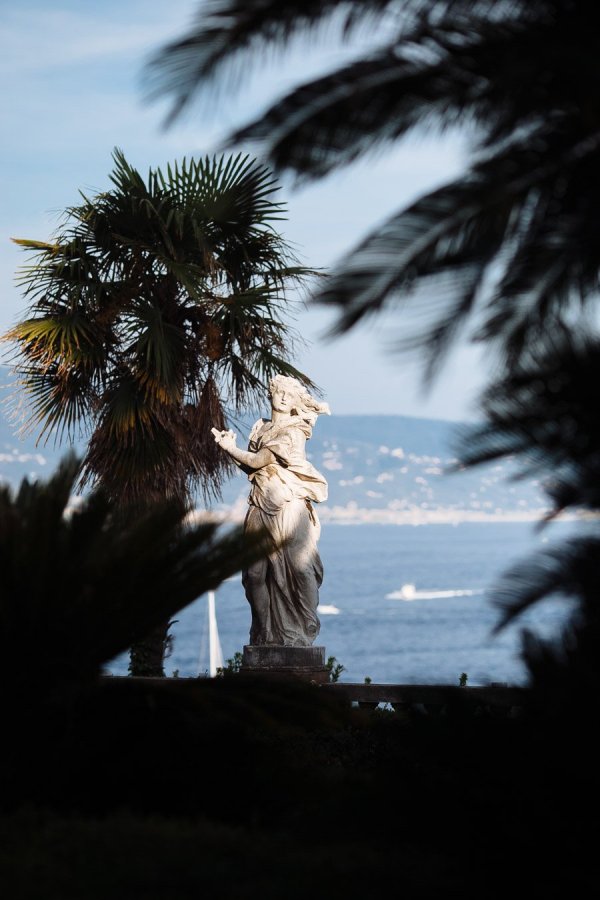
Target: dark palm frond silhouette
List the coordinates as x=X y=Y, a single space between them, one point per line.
x=228 y=35
x=570 y=569
x=81 y=583
x=508 y=244
x=564 y=669
x=159 y=307
x=545 y=411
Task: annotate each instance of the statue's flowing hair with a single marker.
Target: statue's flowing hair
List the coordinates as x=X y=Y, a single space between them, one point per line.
x=304 y=404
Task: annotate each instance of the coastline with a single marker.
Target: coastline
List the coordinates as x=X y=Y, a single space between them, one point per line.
x=412 y=515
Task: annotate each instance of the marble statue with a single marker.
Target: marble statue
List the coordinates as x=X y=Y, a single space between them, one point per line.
x=283 y=589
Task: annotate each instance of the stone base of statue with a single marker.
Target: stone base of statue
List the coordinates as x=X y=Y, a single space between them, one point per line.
x=279 y=661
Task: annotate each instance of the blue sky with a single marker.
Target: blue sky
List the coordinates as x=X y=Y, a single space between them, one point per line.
x=72 y=75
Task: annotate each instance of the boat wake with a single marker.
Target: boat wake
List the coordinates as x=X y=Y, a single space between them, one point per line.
x=408 y=592
x=328 y=610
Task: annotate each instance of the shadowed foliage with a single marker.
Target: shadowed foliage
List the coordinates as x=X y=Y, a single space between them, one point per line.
x=81 y=583
x=546 y=412
x=564 y=671
x=157 y=309
x=118 y=787
x=508 y=244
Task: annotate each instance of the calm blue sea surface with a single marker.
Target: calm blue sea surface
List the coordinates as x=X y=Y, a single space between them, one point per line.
x=426 y=639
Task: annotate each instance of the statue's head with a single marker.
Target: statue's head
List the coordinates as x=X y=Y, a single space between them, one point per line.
x=301 y=402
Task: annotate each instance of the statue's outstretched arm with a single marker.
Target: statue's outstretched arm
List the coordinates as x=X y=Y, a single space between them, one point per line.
x=246 y=458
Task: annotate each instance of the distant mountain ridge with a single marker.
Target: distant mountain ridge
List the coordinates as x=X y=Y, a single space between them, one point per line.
x=395 y=469
x=389 y=469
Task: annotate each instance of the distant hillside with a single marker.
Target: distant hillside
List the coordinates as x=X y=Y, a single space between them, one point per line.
x=394 y=469
x=21 y=458
x=379 y=468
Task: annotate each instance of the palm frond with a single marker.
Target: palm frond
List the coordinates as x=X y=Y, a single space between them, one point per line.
x=29 y=244
x=570 y=570
x=228 y=35
x=156 y=349
x=62 y=276
x=463 y=234
x=222 y=194
x=67 y=336
x=564 y=674
x=442 y=73
x=59 y=401
x=225 y=33
x=443 y=63
x=208 y=464
x=246 y=388
x=545 y=411
x=270 y=364
x=333 y=120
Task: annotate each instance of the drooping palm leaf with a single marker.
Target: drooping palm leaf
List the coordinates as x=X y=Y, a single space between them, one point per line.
x=441 y=73
x=570 y=569
x=564 y=670
x=226 y=32
x=58 y=399
x=546 y=412
x=479 y=229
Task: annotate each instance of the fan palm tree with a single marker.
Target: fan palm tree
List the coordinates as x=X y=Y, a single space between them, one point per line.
x=512 y=241
x=158 y=307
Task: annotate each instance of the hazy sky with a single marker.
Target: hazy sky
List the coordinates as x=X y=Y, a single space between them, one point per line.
x=72 y=90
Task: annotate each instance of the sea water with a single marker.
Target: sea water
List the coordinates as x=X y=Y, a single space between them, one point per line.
x=401 y=604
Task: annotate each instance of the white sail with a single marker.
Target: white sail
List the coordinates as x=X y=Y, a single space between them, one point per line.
x=215 y=654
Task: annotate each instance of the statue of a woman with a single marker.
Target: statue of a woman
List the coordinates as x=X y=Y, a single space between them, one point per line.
x=283 y=589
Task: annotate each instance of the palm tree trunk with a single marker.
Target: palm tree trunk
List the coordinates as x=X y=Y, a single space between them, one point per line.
x=147 y=656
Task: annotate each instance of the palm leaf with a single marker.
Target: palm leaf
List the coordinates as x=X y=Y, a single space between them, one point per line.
x=70 y=338
x=570 y=570
x=156 y=348
x=454 y=237
x=446 y=70
x=59 y=401
x=545 y=411
x=271 y=364
x=36 y=245
x=208 y=463
x=524 y=214
x=226 y=32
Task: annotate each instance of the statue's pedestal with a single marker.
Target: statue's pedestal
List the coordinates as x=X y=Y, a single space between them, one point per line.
x=307 y=663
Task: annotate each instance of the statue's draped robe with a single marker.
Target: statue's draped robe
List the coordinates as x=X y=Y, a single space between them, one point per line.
x=280 y=501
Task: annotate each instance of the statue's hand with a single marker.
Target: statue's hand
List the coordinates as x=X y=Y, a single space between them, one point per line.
x=225 y=439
